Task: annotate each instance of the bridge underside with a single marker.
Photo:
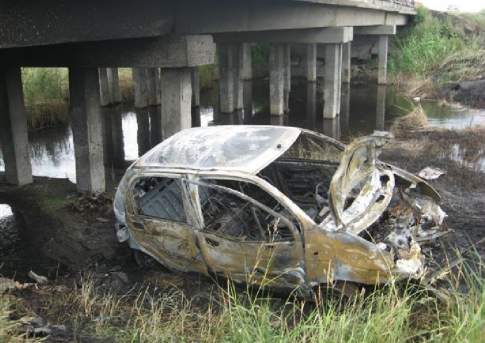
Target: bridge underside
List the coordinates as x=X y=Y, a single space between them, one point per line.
x=93 y=38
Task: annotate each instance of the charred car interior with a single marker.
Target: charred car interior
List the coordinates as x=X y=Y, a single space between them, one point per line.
x=278 y=206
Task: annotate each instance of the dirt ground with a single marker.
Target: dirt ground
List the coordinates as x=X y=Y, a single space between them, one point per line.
x=68 y=236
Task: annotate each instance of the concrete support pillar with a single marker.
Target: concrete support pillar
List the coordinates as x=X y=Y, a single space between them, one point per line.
x=381 y=108
x=227 y=62
x=248 y=100
x=287 y=63
x=339 y=84
x=346 y=62
x=155 y=126
x=277 y=79
x=176 y=100
x=153 y=86
x=195 y=97
x=331 y=127
x=143 y=133
x=13 y=128
x=104 y=93
x=383 y=48
x=246 y=62
x=141 y=87
x=87 y=129
x=311 y=105
x=114 y=84
x=311 y=62
x=333 y=80
x=109 y=87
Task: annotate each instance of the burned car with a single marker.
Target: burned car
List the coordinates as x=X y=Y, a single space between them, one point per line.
x=277 y=206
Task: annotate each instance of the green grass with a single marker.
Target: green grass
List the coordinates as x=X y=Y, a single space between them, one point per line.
x=394 y=313
x=421 y=48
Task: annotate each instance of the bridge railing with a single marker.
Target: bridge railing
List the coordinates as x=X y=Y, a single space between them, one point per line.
x=406 y=3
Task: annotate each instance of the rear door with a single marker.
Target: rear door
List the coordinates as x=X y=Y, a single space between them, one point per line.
x=160 y=224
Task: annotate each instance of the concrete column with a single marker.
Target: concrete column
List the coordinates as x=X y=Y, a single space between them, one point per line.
x=277 y=79
x=345 y=112
x=381 y=108
x=332 y=81
x=339 y=82
x=104 y=91
x=347 y=62
x=331 y=127
x=246 y=62
x=195 y=97
x=143 y=133
x=155 y=126
x=114 y=85
x=311 y=105
x=109 y=87
x=227 y=75
x=141 y=87
x=13 y=128
x=87 y=129
x=153 y=86
x=176 y=100
x=383 y=48
x=311 y=62
x=248 y=100
x=287 y=63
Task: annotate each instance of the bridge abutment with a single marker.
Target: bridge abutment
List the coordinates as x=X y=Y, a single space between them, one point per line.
x=13 y=128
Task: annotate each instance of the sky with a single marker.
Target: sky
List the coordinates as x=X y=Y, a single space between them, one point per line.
x=462 y=5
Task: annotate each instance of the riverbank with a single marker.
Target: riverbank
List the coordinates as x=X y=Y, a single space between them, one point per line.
x=441 y=57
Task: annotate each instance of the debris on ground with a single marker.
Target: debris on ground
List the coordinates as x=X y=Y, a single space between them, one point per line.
x=100 y=203
x=40 y=279
x=430 y=173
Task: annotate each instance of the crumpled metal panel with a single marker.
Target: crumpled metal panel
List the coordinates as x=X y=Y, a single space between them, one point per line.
x=236 y=148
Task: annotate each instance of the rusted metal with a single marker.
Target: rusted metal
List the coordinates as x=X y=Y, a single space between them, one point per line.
x=302 y=211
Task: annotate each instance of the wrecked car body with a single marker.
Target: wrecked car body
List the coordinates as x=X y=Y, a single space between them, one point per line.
x=277 y=206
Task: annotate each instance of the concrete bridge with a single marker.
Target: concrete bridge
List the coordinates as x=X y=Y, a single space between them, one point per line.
x=93 y=38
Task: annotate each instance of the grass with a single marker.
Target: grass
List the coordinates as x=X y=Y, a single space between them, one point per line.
x=439 y=48
x=395 y=313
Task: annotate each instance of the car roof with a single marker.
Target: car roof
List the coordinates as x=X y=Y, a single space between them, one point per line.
x=240 y=148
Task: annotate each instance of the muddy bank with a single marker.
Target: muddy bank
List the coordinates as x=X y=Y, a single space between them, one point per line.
x=58 y=227
x=462 y=188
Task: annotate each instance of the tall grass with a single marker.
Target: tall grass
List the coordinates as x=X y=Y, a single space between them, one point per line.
x=421 y=48
x=394 y=313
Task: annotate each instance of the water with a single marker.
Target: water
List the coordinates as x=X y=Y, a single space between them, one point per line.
x=129 y=133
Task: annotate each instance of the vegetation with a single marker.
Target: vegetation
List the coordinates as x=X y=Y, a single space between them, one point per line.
x=440 y=47
x=152 y=314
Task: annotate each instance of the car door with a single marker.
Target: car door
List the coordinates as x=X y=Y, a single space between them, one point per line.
x=246 y=240
x=159 y=223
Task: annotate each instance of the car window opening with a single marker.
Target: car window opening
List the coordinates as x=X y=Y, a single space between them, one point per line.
x=243 y=211
x=160 y=198
x=304 y=174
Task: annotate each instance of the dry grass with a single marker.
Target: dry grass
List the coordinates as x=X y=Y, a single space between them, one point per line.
x=416 y=120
